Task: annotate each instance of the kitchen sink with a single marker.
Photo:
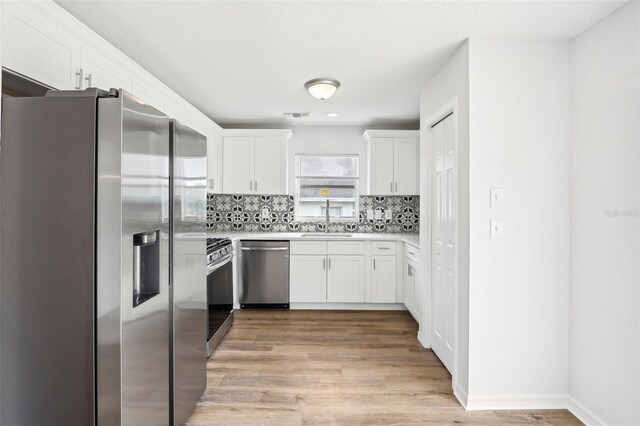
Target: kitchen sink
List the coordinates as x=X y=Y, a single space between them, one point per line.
x=328 y=235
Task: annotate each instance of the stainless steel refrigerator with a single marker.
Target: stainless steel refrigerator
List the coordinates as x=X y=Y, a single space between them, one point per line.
x=90 y=324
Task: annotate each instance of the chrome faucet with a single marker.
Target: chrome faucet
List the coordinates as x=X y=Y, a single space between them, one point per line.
x=326 y=228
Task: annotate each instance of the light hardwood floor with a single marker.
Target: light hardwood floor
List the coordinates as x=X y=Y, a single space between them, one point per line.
x=328 y=367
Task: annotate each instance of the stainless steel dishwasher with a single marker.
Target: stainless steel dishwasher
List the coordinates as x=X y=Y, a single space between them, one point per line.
x=265 y=274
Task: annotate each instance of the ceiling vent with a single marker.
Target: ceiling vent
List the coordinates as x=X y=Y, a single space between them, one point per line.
x=297 y=114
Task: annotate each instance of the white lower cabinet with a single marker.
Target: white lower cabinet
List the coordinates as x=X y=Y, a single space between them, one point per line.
x=316 y=276
x=308 y=278
x=383 y=279
x=411 y=291
x=345 y=279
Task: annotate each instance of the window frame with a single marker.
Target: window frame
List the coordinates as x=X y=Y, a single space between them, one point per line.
x=296 y=198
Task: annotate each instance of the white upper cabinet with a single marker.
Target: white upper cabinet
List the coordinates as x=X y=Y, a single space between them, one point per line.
x=34 y=46
x=255 y=161
x=43 y=42
x=406 y=166
x=102 y=72
x=393 y=162
x=237 y=168
x=269 y=157
x=381 y=177
x=214 y=179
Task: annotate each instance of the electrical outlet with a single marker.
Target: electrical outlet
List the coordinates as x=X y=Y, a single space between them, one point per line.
x=496 y=197
x=370 y=214
x=265 y=213
x=497 y=229
x=378 y=214
x=388 y=214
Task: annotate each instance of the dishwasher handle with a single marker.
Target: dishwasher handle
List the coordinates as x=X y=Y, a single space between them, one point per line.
x=265 y=249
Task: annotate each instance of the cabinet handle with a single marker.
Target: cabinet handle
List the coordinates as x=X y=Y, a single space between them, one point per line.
x=408 y=269
x=80 y=75
x=383 y=248
x=88 y=79
x=324 y=263
x=374 y=264
x=250 y=185
x=329 y=263
x=255 y=185
x=396 y=187
x=391 y=187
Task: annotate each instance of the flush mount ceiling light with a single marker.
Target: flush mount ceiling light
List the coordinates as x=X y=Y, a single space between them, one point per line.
x=333 y=114
x=322 y=88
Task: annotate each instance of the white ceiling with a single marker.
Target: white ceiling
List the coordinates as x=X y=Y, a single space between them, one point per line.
x=244 y=63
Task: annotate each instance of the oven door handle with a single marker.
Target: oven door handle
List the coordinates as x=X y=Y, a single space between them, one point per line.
x=219 y=263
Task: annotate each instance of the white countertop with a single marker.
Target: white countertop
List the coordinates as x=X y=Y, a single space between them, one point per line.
x=413 y=239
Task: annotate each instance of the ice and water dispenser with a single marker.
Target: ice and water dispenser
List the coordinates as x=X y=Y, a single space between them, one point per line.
x=146 y=266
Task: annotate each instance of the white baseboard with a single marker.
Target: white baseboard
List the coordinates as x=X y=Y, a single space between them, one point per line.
x=461 y=394
x=583 y=414
x=350 y=306
x=517 y=402
x=529 y=402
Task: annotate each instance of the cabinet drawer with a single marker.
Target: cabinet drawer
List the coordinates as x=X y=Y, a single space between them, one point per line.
x=382 y=248
x=346 y=247
x=308 y=247
x=412 y=252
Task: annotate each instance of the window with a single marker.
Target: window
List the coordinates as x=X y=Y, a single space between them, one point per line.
x=326 y=177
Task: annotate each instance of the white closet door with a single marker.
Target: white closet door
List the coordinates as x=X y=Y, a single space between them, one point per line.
x=449 y=237
x=443 y=248
x=381 y=164
x=406 y=166
x=237 y=168
x=270 y=165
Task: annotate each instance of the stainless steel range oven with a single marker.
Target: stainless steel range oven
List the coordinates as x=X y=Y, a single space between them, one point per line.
x=219 y=290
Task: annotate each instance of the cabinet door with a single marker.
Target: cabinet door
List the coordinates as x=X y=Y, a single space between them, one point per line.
x=406 y=158
x=35 y=47
x=381 y=166
x=345 y=279
x=383 y=279
x=308 y=279
x=237 y=165
x=409 y=287
x=102 y=72
x=214 y=183
x=270 y=165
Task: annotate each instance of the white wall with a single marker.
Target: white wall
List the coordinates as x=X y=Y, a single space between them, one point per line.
x=519 y=286
x=605 y=255
x=449 y=83
x=328 y=140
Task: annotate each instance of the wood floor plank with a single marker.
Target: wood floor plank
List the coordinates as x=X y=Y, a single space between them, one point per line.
x=337 y=368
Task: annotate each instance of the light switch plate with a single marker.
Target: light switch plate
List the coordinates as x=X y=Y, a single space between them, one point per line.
x=497 y=229
x=388 y=214
x=370 y=214
x=496 y=197
x=378 y=214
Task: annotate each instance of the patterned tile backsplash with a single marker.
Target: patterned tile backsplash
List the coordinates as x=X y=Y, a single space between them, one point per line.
x=243 y=213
